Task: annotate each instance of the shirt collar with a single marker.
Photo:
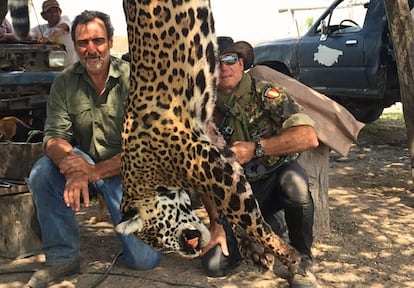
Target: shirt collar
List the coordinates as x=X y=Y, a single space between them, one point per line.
x=239 y=91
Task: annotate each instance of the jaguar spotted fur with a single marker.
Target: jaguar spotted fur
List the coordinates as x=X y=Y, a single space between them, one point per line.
x=170 y=142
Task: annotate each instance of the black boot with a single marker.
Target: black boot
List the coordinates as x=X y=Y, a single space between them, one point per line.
x=214 y=262
x=300 y=225
x=278 y=223
x=303 y=276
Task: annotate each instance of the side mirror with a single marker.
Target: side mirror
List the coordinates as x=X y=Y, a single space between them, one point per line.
x=324 y=30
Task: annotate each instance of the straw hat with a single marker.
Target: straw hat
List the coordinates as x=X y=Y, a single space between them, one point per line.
x=49 y=4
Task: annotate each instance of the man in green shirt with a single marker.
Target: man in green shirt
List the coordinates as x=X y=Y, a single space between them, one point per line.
x=82 y=145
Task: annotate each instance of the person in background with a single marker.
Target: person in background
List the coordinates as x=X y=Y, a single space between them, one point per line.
x=82 y=145
x=56 y=30
x=265 y=129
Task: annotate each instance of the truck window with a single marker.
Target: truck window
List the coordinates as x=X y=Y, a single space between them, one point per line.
x=347 y=17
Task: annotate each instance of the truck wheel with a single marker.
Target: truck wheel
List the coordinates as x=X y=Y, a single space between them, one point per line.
x=364 y=111
x=278 y=67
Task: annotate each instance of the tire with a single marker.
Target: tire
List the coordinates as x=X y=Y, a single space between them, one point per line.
x=363 y=110
x=278 y=67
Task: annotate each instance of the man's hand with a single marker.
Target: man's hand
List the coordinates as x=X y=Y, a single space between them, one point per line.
x=57 y=32
x=76 y=163
x=218 y=236
x=244 y=151
x=76 y=185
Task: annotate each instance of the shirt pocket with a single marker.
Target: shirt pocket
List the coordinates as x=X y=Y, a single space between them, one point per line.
x=80 y=113
x=112 y=120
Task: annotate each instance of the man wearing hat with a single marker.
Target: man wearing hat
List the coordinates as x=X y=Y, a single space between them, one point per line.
x=56 y=30
x=266 y=130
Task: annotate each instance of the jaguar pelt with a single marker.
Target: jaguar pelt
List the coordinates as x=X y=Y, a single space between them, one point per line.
x=170 y=143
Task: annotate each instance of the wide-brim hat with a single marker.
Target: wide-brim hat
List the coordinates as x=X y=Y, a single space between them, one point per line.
x=241 y=48
x=49 y=4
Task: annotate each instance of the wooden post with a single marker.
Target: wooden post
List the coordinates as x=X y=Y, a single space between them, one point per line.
x=18 y=158
x=19 y=229
x=316 y=164
x=402 y=34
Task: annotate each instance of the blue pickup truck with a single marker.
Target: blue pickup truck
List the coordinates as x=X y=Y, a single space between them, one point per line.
x=347 y=54
x=27 y=70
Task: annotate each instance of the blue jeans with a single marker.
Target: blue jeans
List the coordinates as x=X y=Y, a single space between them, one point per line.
x=60 y=230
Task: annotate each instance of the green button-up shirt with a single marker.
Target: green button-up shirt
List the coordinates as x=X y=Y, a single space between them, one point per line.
x=76 y=113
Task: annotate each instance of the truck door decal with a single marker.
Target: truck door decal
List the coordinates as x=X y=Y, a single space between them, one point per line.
x=327 y=56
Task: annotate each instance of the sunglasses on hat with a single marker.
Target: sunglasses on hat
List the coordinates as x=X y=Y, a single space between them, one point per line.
x=229 y=59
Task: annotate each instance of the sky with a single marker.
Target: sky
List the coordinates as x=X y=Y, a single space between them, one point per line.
x=253 y=21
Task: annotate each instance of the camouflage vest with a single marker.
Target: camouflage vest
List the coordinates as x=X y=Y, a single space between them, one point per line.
x=256 y=109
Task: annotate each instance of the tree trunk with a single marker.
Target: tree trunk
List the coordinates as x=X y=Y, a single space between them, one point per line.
x=19 y=229
x=316 y=164
x=402 y=34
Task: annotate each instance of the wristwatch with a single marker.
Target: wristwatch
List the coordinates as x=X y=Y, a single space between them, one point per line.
x=259 y=150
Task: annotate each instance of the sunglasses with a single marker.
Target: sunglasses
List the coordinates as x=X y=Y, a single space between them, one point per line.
x=229 y=59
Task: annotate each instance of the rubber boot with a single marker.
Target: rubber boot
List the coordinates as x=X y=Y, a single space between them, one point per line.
x=214 y=262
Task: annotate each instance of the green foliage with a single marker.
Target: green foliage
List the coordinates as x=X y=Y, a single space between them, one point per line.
x=388 y=129
x=309 y=21
x=392 y=116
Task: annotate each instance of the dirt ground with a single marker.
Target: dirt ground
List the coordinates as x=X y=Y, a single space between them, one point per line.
x=371 y=242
